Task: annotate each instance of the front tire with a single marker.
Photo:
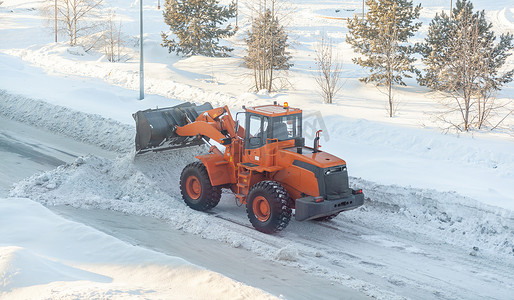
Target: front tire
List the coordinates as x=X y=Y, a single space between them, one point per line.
x=196 y=188
x=268 y=206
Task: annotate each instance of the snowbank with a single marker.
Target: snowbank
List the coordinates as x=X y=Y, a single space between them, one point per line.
x=446 y=217
x=148 y=185
x=45 y=256
x=89 y=128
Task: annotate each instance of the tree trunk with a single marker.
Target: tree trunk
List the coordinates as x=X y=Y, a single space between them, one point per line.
x=390 y=100
x=272 y=46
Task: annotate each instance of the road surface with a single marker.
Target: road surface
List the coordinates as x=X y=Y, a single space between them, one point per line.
x=26 y=150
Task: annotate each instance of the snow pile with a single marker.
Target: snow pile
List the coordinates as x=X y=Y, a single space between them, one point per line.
x=145 y=185
x=45 y=256
x=94 y=182
x=446 y=217
x=89 y=128
x=21 y=267
x=288 y=253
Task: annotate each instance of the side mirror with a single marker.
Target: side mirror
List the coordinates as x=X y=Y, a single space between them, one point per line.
x=316 y=142
x=236 y=127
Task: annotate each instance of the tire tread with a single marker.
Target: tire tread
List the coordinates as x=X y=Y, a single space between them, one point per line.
x=211 y=194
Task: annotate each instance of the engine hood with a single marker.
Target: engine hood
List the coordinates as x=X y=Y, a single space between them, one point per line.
x=320 y=159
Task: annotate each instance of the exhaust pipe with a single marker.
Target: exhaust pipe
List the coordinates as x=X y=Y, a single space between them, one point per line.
x=155 y=128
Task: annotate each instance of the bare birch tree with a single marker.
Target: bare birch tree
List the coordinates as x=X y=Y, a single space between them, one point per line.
x=328 y=75
x=75 y=18
x=112 y=39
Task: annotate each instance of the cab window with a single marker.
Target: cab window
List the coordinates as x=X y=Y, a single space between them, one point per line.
x=257 y=131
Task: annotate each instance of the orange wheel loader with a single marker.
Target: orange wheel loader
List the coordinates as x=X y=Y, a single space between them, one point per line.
x=265 y=164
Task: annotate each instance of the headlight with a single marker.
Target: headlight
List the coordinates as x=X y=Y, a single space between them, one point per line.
x=335 y=170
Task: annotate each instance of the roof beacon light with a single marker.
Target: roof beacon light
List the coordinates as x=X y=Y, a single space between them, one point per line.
x=286 y=105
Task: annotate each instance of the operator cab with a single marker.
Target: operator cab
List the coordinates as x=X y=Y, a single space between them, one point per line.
x=272 y=123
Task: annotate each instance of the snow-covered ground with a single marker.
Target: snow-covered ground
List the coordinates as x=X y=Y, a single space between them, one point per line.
x=439 y=222
x=68 y=260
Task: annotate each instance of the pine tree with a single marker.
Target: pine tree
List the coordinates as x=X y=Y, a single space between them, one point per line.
x=196 y=24
x=267 y=48
x=463 y=61
x=382 y=39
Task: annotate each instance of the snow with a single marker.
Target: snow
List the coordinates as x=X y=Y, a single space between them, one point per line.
x=141 y=186
x=63 y=259
x=443 y=200
x=89 y=128
x=287 y=253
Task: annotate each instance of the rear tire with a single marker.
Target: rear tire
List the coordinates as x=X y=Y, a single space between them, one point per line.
x=196 y=188
x=268 y=206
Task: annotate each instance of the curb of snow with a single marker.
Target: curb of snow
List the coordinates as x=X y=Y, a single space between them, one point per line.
x=89 y=128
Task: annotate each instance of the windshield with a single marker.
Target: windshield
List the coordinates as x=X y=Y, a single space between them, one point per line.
x=286 y=127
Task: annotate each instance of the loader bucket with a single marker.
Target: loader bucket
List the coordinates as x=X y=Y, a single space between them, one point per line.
x=155 y=128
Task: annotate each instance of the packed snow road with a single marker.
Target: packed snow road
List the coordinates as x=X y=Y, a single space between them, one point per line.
x=238 y=264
